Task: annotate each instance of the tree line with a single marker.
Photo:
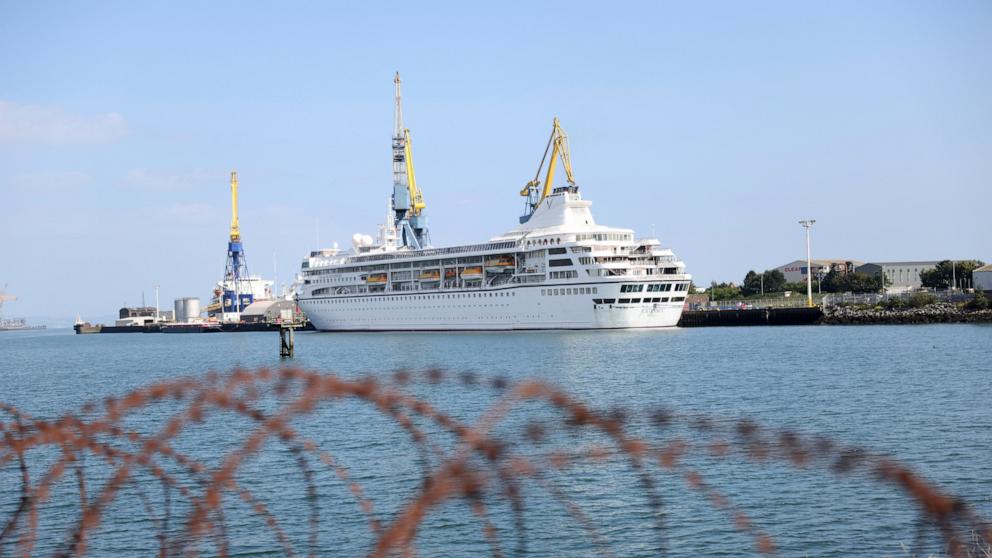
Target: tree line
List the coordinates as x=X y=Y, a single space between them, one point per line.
x=773 y=281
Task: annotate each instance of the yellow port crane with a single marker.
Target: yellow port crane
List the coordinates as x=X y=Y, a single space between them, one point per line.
x=235 y=229
x=558 y=146
x=407 y=203
x=416 y=195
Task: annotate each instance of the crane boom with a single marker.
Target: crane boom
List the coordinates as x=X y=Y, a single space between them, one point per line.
x=416 y=195
x=558 y=147
x=235 y=228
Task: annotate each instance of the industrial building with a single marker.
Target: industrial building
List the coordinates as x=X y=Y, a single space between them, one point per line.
x=982 y=278
x=270 y=311
x=796 y=271
x=899 y=276
x=142 y=315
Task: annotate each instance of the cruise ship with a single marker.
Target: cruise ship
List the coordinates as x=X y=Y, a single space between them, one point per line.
x=557 y=269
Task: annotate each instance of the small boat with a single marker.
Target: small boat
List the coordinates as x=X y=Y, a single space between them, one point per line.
x=500 y=261
x=430 y=275
x=450 y=273
x=376 y=278
x=472 y=273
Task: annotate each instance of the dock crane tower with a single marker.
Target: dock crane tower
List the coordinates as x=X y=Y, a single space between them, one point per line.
x=533 y=191
x=237 y=293
x=408 y=205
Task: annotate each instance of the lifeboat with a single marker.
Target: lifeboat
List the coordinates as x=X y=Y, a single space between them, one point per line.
x=376 y=278
x=430 y=275
x=450 y=273
x=500 y=261
x=472 y=273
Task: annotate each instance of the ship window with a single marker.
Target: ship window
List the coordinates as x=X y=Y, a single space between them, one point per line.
x=556 y=251
x=542 y=292
x=635 y=300
x=597 y=301
x=560 y=262
x=569 y=291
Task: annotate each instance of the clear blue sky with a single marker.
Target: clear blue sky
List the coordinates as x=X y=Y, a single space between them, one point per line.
x=718 y=124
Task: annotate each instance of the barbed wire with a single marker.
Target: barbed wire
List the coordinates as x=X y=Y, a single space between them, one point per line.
x=491 y=460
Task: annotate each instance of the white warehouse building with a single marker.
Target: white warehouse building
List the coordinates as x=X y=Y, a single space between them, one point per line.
x=982 y=277
x=899 y=276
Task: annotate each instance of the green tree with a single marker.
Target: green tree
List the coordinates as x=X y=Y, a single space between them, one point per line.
x=751 y=284
x=837 y=282
x=940 y=277
x=774 y=281
x=724 y=291
x=769 y=281
x=800 y=286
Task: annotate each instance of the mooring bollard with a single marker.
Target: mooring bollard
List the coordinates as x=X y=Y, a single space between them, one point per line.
x=286 y=341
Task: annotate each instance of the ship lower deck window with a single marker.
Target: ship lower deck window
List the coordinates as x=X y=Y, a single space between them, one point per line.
x=562 y=262
x=678 y=298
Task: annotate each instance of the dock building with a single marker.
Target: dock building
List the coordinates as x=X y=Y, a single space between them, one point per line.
x=795 y=271
x=899 y=276
x=982 y=277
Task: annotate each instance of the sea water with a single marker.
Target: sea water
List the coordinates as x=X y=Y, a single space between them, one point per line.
x=922 y=394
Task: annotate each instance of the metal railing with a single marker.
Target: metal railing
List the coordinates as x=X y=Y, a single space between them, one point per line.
x=838 y=299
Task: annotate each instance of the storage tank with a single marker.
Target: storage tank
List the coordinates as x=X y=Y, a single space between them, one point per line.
x=187 y=309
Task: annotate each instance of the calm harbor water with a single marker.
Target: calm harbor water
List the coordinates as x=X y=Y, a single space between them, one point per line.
x=920 y=393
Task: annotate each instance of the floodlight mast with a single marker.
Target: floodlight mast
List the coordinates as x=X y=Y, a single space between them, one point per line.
x=808 y=224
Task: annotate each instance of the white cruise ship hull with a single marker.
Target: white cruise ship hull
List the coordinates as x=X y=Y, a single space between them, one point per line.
x=511 y=308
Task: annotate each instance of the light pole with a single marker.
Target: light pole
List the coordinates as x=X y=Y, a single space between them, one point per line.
x=157 y=312
x=808 y=224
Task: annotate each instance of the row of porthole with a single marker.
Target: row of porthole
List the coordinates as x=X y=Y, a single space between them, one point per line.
x=570 y=291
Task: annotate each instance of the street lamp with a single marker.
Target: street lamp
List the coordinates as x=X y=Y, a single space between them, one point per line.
x=808 y=224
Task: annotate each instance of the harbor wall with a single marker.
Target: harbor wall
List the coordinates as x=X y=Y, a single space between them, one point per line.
x=751 y=317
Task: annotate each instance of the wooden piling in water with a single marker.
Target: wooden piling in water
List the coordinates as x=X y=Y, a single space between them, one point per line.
x=286 y=341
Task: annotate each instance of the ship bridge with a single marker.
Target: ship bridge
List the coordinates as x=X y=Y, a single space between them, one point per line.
x=562 y=211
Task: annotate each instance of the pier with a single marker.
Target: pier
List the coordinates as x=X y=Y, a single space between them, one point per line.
x=751 y=317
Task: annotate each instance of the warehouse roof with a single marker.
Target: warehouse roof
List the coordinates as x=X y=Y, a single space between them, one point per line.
x=259 y=307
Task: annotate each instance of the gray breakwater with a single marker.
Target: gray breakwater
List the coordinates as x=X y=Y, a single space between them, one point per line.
x=941 y=312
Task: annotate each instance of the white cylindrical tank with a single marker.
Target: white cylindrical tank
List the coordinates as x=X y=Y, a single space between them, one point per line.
x=187 y=309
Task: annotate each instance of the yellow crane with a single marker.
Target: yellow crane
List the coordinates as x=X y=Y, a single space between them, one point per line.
x=558 y=146
x=235 y=229
x=416 y=196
